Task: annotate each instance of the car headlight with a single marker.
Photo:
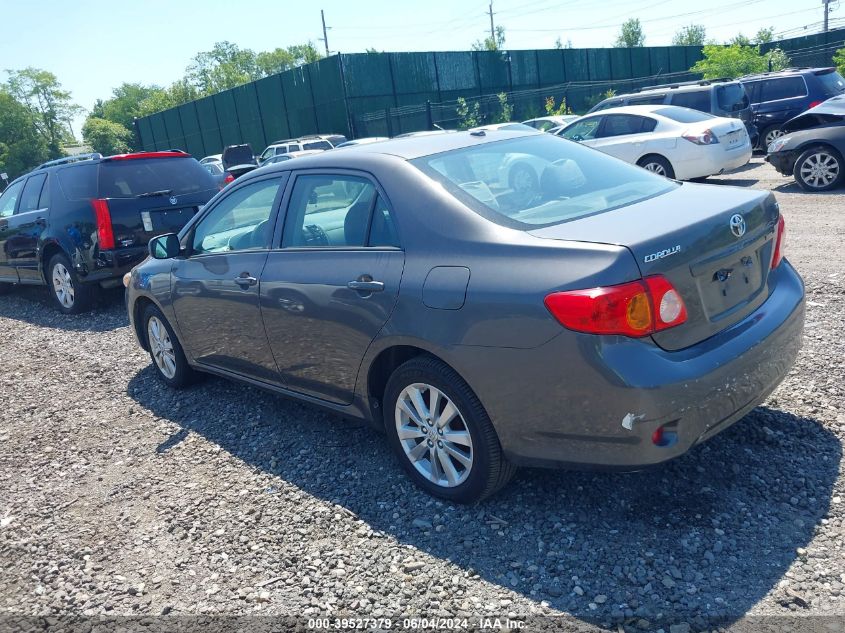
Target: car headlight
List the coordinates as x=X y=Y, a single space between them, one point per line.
x=778 y=144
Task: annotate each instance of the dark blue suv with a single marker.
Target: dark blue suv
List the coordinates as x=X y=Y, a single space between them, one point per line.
x=778 y=96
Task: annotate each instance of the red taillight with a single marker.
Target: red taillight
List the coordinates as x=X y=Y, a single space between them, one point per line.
x=137 y=155
x=701 y=138
x=778 y=254
x=229 y=178
x=105 y=234
x=813 y=104
x=635 y=309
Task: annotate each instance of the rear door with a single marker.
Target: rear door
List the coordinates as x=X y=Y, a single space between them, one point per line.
x=8 y=204
x=332 y=284
x=215 y=289
x=24 y=229
x=624 y=136
x=781 y=98
x=151 y=194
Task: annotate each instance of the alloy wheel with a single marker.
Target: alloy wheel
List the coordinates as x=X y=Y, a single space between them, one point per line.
x=771 y=135
x=820 y=169
x=161 y=347
x=656 y=168
x=63 y=285
x=434 y=435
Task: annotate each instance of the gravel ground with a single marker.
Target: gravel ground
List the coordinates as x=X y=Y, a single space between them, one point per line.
x=119 y=497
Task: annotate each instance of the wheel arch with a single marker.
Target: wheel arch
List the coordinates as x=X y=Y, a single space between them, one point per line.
x=48 y=251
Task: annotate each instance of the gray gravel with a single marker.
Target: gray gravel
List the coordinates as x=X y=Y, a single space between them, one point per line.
x=120 y=497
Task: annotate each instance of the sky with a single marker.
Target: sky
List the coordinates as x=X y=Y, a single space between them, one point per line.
x=92 y=46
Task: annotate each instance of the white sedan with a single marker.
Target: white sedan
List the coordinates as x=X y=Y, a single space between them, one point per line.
x=671 y=141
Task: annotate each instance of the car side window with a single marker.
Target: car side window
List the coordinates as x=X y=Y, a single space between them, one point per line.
x=382 y=229
x=694 y=99
x=784 y=88
x=752 y=88
x=31 y=193
x=44 y=199
x=331 y=210
x=9 y=198
x=648 y=124
x=582 y=130
x=620 y=125
x=240 y=221
x=656 y=99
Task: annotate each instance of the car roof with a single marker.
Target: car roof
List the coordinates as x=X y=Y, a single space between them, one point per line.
x=787 y=72
x=634 y=109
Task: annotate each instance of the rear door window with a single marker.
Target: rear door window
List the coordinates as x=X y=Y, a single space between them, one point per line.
x=130 y=178
x=694 y=99
x=621 y=125
x=78 y=182
x=731 y=98
x=31 y=193
x=652 y=99
x=783 y=88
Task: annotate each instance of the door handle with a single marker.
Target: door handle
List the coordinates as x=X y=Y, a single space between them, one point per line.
x=245 y=280
x=362 y=285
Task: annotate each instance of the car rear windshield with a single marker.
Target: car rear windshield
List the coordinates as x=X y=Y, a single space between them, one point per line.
x=539 y=180
x=731 y=97
x=832 y=82
x=684 y=115
x=130 y=178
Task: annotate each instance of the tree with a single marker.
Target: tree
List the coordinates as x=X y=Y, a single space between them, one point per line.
x=839 y=60
x=176 y=94
x=41 y=92
x=106 y=137
x=21 y=146
x=505 y=109
x=735 y=60
x=740 y=39
x=282 y=59
x=765 y=35
x=690 y=35
x=224 y=66
x=631 y=35
x=468 y=117
x=491 y=43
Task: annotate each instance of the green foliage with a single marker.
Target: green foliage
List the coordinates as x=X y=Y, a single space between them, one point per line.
x=631 y=35
x=839 y=60
x=735 y=60
x=106 y=137
x=690 y=35
x=740 y=39
x=505 y=109
x=491 y=43
x=560 y=110
x=468 y=116
x=765 y=35
x=21 y=145
x=52 y=108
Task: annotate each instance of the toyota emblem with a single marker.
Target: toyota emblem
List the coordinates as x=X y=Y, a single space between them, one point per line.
x=737 y=225
x=174 y=200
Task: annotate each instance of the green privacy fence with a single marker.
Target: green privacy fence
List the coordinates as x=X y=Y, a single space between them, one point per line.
x=344 y=93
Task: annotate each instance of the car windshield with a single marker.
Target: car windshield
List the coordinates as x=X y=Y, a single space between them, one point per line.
x=684 y=115
x=539 y=180
x=832 y=82
x=731 y=97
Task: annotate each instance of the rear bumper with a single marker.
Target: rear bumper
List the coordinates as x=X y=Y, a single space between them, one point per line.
x=594 y=402
x=713 y=162
x=110 y=266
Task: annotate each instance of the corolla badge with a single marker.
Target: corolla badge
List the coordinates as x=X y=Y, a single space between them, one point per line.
x=737 y=225
x=173 y=200
x=661 y=254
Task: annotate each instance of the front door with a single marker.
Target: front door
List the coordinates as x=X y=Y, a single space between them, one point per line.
x=215 y=289
x=332 y=285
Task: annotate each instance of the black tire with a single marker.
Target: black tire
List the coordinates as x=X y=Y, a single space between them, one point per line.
x=183 y=375
x=75 y=296
x=699 y=179
x=489 y=470
x=655 y=163
x=819 y=157
x=522 y=179
x=6 y=288
x=768 y=135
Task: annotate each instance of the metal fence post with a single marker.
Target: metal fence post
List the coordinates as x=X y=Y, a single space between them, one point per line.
x=389 y=124
x=428 y=118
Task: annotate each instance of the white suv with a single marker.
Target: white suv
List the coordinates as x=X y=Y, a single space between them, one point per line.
x=316 y=142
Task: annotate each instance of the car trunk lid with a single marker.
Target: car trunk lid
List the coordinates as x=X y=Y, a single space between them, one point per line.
x=713 y=244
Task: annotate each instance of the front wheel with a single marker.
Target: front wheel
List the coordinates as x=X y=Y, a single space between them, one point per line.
x=165 y=351
x=71 y=295
x=818 y=169
x=658 y=165
x=441 y=433
x=769 y=135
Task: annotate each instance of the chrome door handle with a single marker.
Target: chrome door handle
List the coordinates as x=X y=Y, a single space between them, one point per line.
x=366 y=286
x=245 y=280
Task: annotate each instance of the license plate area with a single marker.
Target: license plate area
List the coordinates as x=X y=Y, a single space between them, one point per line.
x=166 y=220
x=731 y=284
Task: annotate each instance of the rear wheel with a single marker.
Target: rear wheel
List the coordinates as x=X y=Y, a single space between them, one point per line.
x=70 y=294
x=165 y=351
x=658 y=165
x=441 y=433
x=819 y=169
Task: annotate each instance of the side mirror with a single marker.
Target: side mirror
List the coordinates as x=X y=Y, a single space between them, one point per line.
x=164 y=246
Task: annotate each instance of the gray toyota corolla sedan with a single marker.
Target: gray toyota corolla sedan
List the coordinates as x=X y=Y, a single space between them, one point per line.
x=489 y=299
